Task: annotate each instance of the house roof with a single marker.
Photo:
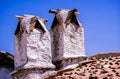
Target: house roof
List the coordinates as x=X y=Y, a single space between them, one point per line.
x=100 y=66
x=6 y=59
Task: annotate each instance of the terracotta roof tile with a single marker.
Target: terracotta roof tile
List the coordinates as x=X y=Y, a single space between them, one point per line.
x=100 y=66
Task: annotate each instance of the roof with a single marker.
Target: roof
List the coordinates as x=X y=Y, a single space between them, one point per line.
x=6 y=59
x=100 y=66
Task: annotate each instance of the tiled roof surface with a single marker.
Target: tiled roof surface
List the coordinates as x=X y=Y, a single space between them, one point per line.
x=6 y=59
x=100 y=66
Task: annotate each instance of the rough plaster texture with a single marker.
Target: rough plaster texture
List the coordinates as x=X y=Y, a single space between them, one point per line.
x=20 y=50
x=73 y=42
x=67 y=38
x=57 y=43
x=5 y=73
x=33 y=73
x=32 y=48
x=66 y=63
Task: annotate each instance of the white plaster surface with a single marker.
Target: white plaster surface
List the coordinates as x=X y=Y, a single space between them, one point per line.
x=73 y=42
x=33 y=50
x=71 y=66
x=33 y=58
x=67 y=40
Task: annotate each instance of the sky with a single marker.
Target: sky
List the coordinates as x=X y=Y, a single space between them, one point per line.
x=100 y=19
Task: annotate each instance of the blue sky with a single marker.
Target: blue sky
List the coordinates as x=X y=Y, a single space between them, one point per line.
x=100 y=19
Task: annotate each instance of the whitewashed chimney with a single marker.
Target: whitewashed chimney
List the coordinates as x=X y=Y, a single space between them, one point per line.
x=67 y=36
x=33 y=58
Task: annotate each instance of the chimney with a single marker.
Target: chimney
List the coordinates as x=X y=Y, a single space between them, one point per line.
x=33 y=58
x=67 y=36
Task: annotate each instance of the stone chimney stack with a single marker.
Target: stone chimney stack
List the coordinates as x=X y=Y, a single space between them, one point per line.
x=67 y=36
x=33 y=58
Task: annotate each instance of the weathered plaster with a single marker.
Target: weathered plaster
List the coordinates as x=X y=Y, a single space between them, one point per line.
x=67 y=37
